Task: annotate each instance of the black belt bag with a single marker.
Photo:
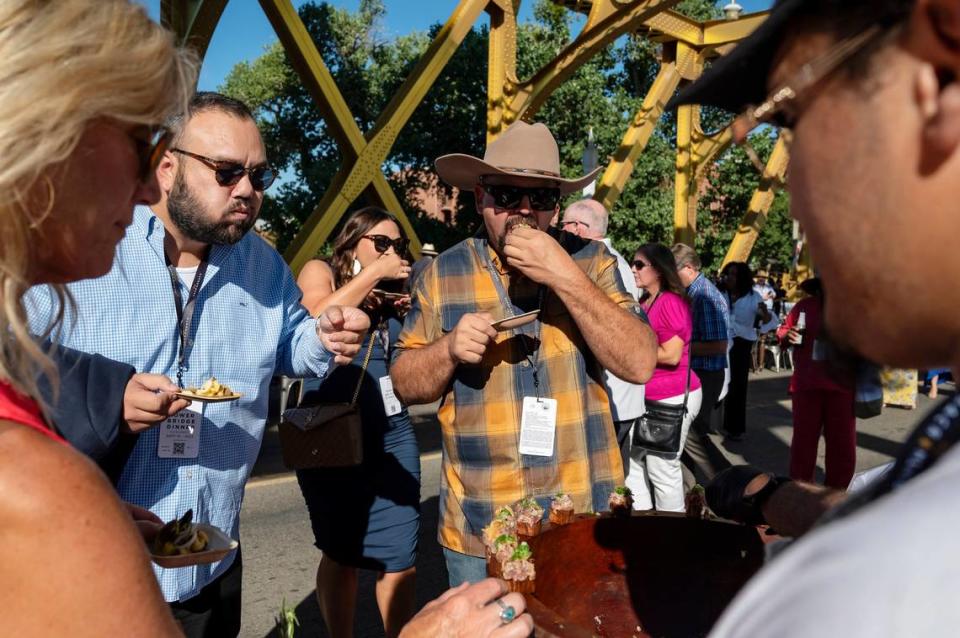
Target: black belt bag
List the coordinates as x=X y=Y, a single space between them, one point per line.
x=660 y=429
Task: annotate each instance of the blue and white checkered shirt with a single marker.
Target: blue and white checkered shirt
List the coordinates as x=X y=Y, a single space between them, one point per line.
x=711 y=319
x=248 y=324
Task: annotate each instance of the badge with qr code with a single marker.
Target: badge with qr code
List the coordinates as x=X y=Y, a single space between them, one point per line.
x=180 y=434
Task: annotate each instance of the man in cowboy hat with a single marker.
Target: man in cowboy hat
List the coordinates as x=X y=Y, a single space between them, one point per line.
x=523 y=411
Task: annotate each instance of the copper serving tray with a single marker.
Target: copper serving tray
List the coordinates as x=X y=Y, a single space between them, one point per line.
x=652 y=574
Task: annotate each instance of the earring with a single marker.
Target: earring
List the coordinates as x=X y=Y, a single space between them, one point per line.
x=356 y=267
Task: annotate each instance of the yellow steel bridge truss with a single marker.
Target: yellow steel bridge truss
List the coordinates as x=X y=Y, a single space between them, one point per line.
x=687 y=44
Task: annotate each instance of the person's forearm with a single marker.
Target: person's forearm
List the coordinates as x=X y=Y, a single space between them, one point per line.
x=794 y=508
x=350 y=294
x=421 y=375
x=708 y=348
x=606 y=327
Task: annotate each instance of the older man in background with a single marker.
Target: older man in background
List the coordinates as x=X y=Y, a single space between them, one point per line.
x=588 y=218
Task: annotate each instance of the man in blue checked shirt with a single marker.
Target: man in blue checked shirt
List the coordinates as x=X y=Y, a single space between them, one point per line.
x=708 y=346
x=192 y=295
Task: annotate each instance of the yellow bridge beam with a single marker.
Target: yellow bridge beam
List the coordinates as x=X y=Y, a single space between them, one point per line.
x=756 y=215
x=364 y=169
x=638 y=134
x=608 y=20
x=193 y=21
x=319 y=82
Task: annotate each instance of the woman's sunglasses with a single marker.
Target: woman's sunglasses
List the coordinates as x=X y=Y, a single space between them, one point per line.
x=230 y=173
x=511 y=197
x=382 y=243
x=150 y=150
x=639 y=265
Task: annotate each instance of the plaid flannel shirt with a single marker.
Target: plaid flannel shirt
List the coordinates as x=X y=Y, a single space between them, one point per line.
x=711 y=319
x=481 y=408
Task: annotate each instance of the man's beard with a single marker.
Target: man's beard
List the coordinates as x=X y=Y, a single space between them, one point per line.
x=190 y=217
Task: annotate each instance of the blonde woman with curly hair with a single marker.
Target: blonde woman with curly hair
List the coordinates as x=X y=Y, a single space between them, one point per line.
x=83 y=87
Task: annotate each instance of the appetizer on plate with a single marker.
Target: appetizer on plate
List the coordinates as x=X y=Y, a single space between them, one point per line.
x=183 y=543
x=211 y=390
x=503 y=548
x=561 y=509
x=519 y=571
x=621 y=501
x=180 y=536
x=529 y=517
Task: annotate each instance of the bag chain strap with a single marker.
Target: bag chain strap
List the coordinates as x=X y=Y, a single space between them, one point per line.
x=363 y=371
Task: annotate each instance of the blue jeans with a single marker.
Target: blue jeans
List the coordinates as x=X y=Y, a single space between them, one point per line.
x=463 y=568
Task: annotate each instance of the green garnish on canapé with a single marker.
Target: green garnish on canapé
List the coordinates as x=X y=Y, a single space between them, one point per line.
x=504 y=513
x=623 y=490
x=504 y=539
x=522 y=552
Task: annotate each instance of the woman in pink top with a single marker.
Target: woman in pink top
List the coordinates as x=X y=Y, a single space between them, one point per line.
x=665 y=303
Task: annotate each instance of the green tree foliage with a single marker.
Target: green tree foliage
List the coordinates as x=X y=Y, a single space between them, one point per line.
x=604 y=94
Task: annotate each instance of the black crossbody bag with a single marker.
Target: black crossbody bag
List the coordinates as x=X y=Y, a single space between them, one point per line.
x=661 y=426
x=660 y=429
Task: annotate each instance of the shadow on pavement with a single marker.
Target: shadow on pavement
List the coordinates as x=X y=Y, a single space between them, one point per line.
x=431 y=582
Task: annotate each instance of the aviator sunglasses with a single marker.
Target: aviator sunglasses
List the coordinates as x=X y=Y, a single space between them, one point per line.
x=382 y=243
x=543 y=198
x=230 y=173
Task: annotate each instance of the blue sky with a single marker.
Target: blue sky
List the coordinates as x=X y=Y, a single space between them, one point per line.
x=244 y=31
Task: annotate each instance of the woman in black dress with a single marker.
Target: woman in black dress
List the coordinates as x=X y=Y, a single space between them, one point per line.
x=366 y=516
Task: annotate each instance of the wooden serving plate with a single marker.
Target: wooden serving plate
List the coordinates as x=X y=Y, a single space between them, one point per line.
x=652 y=574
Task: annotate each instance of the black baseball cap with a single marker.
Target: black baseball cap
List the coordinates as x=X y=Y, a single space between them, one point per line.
x=739 y=78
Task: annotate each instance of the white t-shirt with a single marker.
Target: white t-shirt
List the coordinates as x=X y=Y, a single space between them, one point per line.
x=626 y=399
x=187 y=275
x=742 y=315
x=890 y=569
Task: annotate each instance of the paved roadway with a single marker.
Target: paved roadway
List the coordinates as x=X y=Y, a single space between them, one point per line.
x=280 y=560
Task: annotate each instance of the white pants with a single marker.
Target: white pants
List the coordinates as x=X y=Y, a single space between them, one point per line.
x=662 y=471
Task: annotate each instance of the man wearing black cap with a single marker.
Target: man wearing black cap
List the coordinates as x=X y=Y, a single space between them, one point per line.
x=870 y=92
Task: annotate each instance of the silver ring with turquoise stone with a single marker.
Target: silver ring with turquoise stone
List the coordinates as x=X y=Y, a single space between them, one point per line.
x=507 y=612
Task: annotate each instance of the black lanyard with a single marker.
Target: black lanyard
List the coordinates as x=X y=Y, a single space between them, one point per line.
x=533 y=358
x=185 y=313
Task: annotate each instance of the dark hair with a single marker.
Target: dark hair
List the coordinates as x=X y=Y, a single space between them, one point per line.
x=744 y=278
x=662 y=261
x=206 y=101
x=358 y=225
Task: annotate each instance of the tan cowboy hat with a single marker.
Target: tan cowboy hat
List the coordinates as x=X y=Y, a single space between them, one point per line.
x=523 y=150
x=428 y=249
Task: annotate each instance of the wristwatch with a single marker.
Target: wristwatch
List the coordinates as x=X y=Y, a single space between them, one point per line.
x=753 y=504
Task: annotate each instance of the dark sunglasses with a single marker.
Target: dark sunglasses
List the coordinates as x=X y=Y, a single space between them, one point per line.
x=150 y=150
x=640 y=265
x=230 y=173
x=544 y=198
x=382 y=243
